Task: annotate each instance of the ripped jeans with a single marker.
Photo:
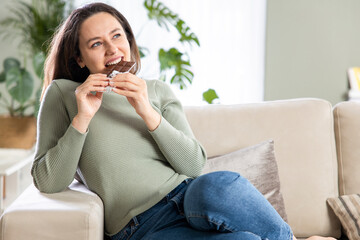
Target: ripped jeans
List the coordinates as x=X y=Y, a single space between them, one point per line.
x=214 y=206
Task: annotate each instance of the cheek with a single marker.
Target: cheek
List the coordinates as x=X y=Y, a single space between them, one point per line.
x=128 y=51
x=91 y=58
x=92 y=63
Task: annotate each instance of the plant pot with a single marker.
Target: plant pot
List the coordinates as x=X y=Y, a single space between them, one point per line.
x=17 y=132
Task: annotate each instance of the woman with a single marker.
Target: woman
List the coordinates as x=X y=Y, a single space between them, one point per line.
x=134 y=147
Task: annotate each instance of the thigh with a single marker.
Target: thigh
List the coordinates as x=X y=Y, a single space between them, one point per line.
x=225 y=201
x=182 y=230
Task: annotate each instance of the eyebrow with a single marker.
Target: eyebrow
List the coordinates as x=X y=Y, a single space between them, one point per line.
x=96 y=38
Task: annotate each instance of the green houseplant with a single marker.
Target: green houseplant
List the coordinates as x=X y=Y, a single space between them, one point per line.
x=19 y=84
x=174 y=63
x=20 y=127
x=32 y=24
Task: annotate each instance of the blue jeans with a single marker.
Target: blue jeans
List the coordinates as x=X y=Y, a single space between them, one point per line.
x=214 y=206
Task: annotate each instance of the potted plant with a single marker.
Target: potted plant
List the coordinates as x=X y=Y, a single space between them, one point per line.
x=19 y=124
x=33 y=24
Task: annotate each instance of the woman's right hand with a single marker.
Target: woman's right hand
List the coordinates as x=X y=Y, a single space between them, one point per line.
x=88 y=103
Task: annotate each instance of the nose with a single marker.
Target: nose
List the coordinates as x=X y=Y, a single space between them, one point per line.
x=111 y=48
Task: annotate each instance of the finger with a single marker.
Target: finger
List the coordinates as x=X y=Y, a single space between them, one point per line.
x=90 y=84
x=99 y=94
x=88 y=89
x=125 y=86
x=125 y=93
x=97 y=77
x=98 y=83
x=134 y=84
x=98 y=89
x=128 y=77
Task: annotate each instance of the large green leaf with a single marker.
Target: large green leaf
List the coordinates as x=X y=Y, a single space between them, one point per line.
x=20 y=84
x=38 y=63
x=33 y=23
x=2 y=77
x=210 y=95
x=164 y=16
x=173 y=60
x=143 y=51
x=185 y=33
x=10 y=63
x=169 y=59
x=159 y=12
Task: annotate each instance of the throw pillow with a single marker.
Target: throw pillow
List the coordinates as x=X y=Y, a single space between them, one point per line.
x=347 y=209
x=258 y=164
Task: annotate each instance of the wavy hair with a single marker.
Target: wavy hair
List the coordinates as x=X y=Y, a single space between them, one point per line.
x=64 y=48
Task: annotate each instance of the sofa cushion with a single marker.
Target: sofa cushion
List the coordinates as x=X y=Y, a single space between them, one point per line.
x=347 y=131
x=256 y=163
x=347 y=209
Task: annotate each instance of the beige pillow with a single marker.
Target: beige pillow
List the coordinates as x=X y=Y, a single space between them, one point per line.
x=258 y=164
x=347 y=209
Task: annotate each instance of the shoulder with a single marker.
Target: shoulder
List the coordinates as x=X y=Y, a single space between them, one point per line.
x=159 y=88
x=61 y=90
x=161 y=94
x=62 y=87
x=65 y=84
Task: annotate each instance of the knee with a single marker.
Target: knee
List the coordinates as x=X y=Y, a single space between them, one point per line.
x=220 y=178
x=218 y=182
x=210 y=188
x=210 y=197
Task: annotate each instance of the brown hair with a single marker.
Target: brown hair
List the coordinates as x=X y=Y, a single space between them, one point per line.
x=64 y=47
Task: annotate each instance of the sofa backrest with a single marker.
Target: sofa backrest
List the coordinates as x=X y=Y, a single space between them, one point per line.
x=347 y=130
x=302 y=130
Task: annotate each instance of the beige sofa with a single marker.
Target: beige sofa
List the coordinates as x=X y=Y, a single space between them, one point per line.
x=316 y=148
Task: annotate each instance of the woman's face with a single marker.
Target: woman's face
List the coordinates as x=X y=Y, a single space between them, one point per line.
x=102 y=42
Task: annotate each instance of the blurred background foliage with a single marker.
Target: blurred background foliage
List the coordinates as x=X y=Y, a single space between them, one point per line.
x=33 y=25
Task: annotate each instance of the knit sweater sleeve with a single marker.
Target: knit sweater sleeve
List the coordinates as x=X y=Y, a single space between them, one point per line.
x=174 y=135
x=58 y=146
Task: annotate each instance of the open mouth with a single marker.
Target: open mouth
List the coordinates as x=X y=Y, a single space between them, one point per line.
x=114 y=62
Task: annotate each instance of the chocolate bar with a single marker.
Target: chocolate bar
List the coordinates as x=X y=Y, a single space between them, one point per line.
x=121 y=67
x=113 y=70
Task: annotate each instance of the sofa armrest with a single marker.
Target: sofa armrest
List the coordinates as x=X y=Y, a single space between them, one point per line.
x=76 y=213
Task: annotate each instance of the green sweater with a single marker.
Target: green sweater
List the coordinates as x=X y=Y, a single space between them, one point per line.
x=129 y=167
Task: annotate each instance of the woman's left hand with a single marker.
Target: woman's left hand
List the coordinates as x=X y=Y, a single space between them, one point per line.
x=135 y=90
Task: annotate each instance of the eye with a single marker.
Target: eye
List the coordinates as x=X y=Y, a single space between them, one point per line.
x=117 y=35
x=96 y=44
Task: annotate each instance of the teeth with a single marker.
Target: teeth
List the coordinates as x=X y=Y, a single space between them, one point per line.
x=114 y=62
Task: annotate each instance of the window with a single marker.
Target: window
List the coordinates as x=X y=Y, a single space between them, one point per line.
x=232 y=52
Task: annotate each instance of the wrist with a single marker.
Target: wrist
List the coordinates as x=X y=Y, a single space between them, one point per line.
x=152 y=119
x=81 y=123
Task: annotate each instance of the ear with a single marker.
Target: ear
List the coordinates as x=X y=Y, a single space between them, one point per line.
x=80 y=62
